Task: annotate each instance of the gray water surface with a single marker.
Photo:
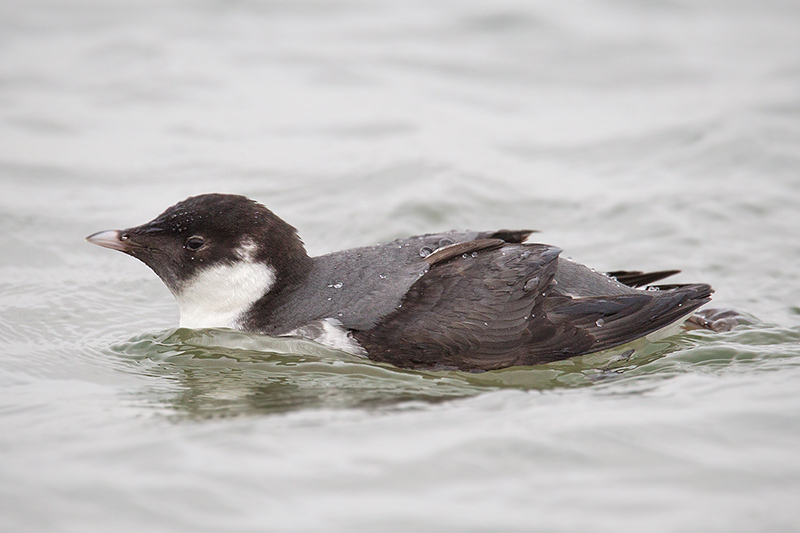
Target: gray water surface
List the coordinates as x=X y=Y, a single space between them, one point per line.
x=634 y=135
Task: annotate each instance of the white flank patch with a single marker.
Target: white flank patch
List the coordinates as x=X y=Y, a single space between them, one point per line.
x=668 y=330
x=216 y=297
x=329 y=332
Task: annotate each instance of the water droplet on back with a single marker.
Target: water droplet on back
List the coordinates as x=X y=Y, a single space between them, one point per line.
x=531 y=284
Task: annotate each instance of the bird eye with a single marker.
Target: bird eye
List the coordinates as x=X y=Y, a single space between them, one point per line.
x=195 y=242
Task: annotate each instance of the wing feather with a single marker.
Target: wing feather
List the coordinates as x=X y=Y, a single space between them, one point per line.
x=467 y=312
x=489 y=304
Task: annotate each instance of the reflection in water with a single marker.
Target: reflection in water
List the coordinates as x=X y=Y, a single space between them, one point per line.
x=227 y=373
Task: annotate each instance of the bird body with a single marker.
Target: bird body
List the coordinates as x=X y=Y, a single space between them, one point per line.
x=455 y=300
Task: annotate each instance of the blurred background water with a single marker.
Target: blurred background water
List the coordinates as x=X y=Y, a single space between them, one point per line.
x=635 y=135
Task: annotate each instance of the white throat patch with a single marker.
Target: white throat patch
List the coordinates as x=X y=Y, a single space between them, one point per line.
x=216 y=297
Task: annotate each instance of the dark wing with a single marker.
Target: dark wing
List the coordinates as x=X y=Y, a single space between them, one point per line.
x=615 y=320
x=486 y=304
x=471 y=310
x=442 y=255
x=637 y=278
x=509 y=235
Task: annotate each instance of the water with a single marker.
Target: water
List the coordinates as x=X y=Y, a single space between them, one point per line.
x=634 y=135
